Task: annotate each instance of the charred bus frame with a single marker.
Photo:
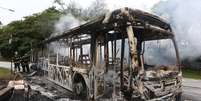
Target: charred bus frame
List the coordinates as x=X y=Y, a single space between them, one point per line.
x=85 y=74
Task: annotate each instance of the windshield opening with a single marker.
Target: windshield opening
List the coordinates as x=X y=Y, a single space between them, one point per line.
x=159 y=53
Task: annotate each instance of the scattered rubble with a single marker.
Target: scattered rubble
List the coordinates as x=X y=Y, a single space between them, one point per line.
x=41 y=87
x=33 y=88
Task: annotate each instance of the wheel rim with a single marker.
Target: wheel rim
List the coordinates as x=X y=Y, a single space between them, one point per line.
x=78 y=88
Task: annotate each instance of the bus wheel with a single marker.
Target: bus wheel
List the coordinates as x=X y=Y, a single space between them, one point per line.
x=178 y=97
x=80 y=90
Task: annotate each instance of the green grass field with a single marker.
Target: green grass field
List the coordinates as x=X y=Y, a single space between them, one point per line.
x=4 y=73
x=190 y=73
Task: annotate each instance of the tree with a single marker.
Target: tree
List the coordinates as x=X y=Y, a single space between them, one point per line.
x=37 y=27
x=32 y=30
x=97 y=8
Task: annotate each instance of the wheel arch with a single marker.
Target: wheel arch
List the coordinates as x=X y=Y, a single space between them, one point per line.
x=80 y=76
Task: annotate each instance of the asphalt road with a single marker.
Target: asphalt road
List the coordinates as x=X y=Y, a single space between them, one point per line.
x=191 y=90
x=191 y=94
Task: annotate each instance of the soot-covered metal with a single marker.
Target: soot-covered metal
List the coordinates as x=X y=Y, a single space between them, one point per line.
x=104 y=58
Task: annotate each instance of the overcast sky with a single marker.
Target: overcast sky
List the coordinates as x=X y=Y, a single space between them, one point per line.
x=27 y=7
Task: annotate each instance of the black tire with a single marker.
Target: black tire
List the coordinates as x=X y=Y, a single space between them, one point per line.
x=80 y=90
x=178 y=97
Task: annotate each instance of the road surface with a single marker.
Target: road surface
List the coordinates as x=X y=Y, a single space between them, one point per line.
x=191 y=94
x=5 y=64
x=191 y=90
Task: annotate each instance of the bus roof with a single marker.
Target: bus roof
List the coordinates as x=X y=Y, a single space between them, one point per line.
x=146 y=25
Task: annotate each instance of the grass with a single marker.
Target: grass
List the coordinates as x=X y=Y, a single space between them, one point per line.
x=190 y=73
x=4 y=73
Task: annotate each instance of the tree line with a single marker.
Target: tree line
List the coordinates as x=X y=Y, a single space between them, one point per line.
x=21 y=35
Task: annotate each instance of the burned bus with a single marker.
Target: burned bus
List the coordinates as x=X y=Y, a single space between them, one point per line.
x=126 y=54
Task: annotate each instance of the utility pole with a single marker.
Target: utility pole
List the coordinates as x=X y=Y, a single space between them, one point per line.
x=1 y=24
x=11 y=62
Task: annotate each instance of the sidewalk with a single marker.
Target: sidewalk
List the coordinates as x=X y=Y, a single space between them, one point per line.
x=5 y=64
